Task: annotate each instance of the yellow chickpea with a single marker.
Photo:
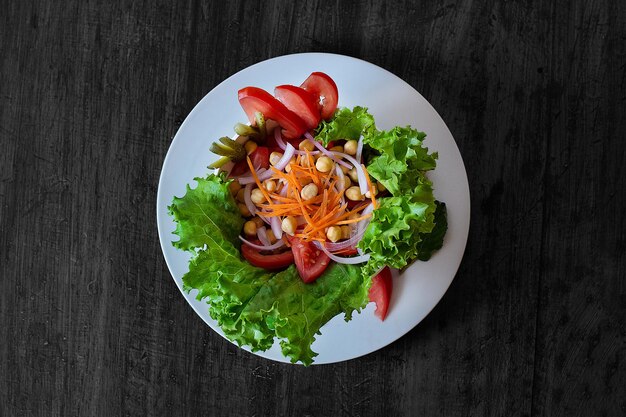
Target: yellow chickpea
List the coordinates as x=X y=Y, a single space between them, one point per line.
x=346 y=182
x=294 y=161
x=275 y=157
x=350 y=147
x=257 y=196
x=338 y=148
x=369 y=195
x=324 y=164
x=303 y=160
x=333 y=233
x=243 y=209
x=270 y=236
x=258 y=221
x=306 y=145
x=345 y=232
x=288 y=225
x=309 y=191
x=249 y=228
x=354 y=193
x=270 y=185
x=353 y=175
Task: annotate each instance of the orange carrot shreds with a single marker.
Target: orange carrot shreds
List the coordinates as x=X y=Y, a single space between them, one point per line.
x=281 y=198
x=256 y=179
x=328 y=220
x=330 y=176
x=309 y=158
x=358 y=219
x=369 y=185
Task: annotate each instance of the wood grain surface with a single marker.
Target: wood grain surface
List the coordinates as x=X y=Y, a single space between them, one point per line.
x=91 y=94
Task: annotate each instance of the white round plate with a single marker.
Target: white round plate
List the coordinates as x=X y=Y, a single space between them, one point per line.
x=393 y=102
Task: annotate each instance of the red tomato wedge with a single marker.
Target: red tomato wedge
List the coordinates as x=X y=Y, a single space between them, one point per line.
x=301 y=102
x=253 y=99
x=380 y=292
x=260 y=159
x=324 y=89
x=271 y=262
x=310 y=261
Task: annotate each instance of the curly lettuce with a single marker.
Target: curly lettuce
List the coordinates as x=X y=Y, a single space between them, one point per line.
x=409 y=224
x=346 y=124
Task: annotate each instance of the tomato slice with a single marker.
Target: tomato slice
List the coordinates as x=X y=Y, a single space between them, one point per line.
x=271 y=262
x=310 y=261
x=260 y=158
x=380 y=292
x=253 y=99
x=325 y=92
x=301 y=102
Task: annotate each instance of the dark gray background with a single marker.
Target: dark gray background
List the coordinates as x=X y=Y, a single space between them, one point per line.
x=91 y=95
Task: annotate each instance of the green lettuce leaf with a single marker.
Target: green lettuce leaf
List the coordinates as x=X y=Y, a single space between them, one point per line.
x=228 y=284
x=297 y=311
x=346 y=124
x=402 y=158
x=252 y=306
x=205 y=213
x=393 y=235
x=433 y=241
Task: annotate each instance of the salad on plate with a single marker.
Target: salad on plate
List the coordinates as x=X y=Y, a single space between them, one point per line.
x=307 y=209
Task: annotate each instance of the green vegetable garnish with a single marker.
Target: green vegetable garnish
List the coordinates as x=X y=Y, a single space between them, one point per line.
x=219 y=163
x=260 y=124
x=229 y=148
x=402 y=158
x=346 y=124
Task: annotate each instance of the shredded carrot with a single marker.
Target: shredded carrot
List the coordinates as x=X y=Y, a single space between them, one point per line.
x=256 y=179
x=326 y=209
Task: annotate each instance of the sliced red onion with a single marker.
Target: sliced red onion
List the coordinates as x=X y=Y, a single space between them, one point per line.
x=264 y=174
x=248 y=199
x=309 y=136
x=262 y=235
x=279 y=138
x=289 y=153
x=275 y=223
x=359 y=171
x=340 y=259
x=341 y=185
x=362 y=225
x=359 y=149
x=284 y=190
x=346 y=244
x=330 y=154
x=227 y=167
x=283 y=145
x=276 y=245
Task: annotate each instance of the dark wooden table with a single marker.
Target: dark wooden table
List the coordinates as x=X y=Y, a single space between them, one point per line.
x=91 y=95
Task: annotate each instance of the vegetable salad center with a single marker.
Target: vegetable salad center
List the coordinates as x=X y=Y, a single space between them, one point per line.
x=307 y=209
